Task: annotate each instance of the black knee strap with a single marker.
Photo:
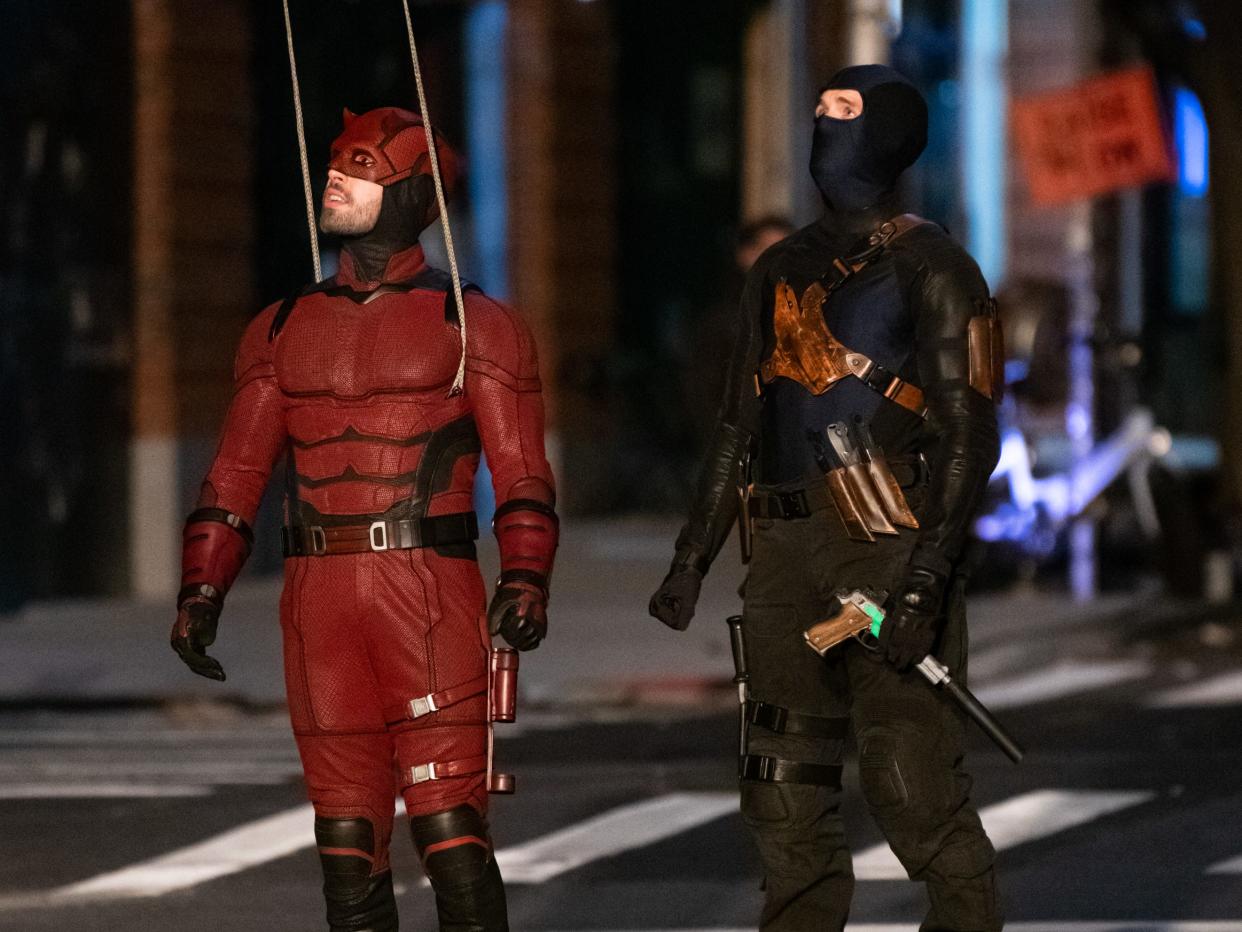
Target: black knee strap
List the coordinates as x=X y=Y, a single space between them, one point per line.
x=358 y=900
x=764 y=769
x=782 y=721
x=454 y=845
x=456 y=851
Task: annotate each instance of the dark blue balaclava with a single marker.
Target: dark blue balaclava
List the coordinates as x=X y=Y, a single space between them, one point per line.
x=855 y=163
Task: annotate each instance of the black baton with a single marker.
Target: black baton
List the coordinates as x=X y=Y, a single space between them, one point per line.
x=938 y=675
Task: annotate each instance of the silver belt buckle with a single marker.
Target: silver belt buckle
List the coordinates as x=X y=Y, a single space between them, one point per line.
x=379 y=535
x=318 y=541
x=421 y=773
x=422 y=706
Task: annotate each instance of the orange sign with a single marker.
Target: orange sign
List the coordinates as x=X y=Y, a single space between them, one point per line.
x=1092 y=138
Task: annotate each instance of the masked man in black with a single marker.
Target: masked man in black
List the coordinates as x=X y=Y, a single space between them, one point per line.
x=868 y=321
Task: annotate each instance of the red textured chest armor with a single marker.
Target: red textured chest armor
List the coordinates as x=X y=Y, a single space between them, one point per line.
x=372 y=429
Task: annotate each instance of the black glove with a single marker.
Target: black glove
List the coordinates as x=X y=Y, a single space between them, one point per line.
x=673 y=602
x=194 y=631
x=519 y=611
x=915 y=618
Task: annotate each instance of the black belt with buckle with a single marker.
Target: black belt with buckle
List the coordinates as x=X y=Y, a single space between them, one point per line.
x=312 y=540
x=802 y=503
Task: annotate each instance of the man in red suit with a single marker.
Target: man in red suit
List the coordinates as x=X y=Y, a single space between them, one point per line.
x=386 y=636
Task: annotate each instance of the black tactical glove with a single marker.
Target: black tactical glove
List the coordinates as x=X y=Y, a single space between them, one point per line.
x=915 y=618
x=673 y=603
x=519 y=610
x=194 y=631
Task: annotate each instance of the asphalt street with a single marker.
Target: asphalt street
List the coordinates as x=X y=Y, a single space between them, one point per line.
x=134 y=796
x=1124 y=813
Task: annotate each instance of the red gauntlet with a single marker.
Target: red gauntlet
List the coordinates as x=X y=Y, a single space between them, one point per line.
x=527 y=530
x=215 y=545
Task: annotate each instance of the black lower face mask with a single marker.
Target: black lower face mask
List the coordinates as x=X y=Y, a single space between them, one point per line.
x=408 y=207
x=856 y=162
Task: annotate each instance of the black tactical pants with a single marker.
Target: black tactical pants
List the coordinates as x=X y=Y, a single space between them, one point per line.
x=910 y=739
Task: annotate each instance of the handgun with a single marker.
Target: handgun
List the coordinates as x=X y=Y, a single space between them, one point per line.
x=861 y=617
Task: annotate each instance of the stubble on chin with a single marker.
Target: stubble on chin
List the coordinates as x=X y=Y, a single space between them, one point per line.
x=352 y=220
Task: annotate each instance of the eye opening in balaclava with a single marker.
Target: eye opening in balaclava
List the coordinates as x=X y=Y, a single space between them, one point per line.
x=856 y=162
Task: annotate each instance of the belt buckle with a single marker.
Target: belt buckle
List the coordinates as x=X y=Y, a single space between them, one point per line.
x=794 y=504
x=421 y=773
x=378 y=541
x=422 y=706
x=318 y=540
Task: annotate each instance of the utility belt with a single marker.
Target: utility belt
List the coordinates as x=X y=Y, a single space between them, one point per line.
x=802 y=503
x=313 y=540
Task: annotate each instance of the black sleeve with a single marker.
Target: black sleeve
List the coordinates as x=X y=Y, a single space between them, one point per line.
x=714 y=508
x=964 y=440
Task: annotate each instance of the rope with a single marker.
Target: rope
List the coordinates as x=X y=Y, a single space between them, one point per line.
x=460 y=381
x=297 y=112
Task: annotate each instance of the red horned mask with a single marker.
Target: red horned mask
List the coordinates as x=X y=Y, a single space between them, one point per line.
x=387 y=145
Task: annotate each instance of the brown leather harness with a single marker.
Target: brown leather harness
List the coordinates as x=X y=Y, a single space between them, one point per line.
x=807 y=352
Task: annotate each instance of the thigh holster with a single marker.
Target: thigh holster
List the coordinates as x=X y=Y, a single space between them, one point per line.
x=781 y=721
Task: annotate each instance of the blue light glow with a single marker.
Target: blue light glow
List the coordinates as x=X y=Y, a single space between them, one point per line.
x=487 y=146
x=1190 y=136
x=486 y=143
x=1194 y=28
x=985 y=43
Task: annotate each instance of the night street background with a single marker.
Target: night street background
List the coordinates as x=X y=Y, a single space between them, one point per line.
x=624 y=163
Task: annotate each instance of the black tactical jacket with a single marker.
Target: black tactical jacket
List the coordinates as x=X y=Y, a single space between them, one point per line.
x=908 y=310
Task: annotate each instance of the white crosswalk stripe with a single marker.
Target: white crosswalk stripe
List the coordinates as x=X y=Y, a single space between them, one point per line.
x=246 y=846
x=622 y=829
x=1225 y=689
x=1231 y=866
x=1059 y=681
x=1017 y=821
x=99 y=790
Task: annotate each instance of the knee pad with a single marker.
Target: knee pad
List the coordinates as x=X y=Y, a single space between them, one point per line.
x=454 y=845
x=356 y=887
x=879 y=773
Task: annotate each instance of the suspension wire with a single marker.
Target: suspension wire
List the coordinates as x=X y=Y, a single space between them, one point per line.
x=306 y=183
x=460 y=381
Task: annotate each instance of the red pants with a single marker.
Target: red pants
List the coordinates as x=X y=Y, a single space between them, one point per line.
x=363 y=635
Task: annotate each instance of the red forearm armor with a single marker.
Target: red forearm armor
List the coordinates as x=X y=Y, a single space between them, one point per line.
x=215 y=545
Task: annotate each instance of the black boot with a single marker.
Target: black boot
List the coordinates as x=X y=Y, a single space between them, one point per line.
x=358 y=900
x=456 y=852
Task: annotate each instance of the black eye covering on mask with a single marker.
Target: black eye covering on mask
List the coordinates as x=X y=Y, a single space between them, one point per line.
x=855 y=163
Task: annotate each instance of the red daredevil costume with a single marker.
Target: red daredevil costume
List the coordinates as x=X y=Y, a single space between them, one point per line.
x=386 y=640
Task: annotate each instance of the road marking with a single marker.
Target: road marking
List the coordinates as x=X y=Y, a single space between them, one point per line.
x=1016 y=821
x=246 y=846
x=192 y=772
x=1059 y=680
x=1225 y=689
x=1121 y=925
x=622 y=829
x=613 y=832
x=1231 y=866
x=98 y=791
